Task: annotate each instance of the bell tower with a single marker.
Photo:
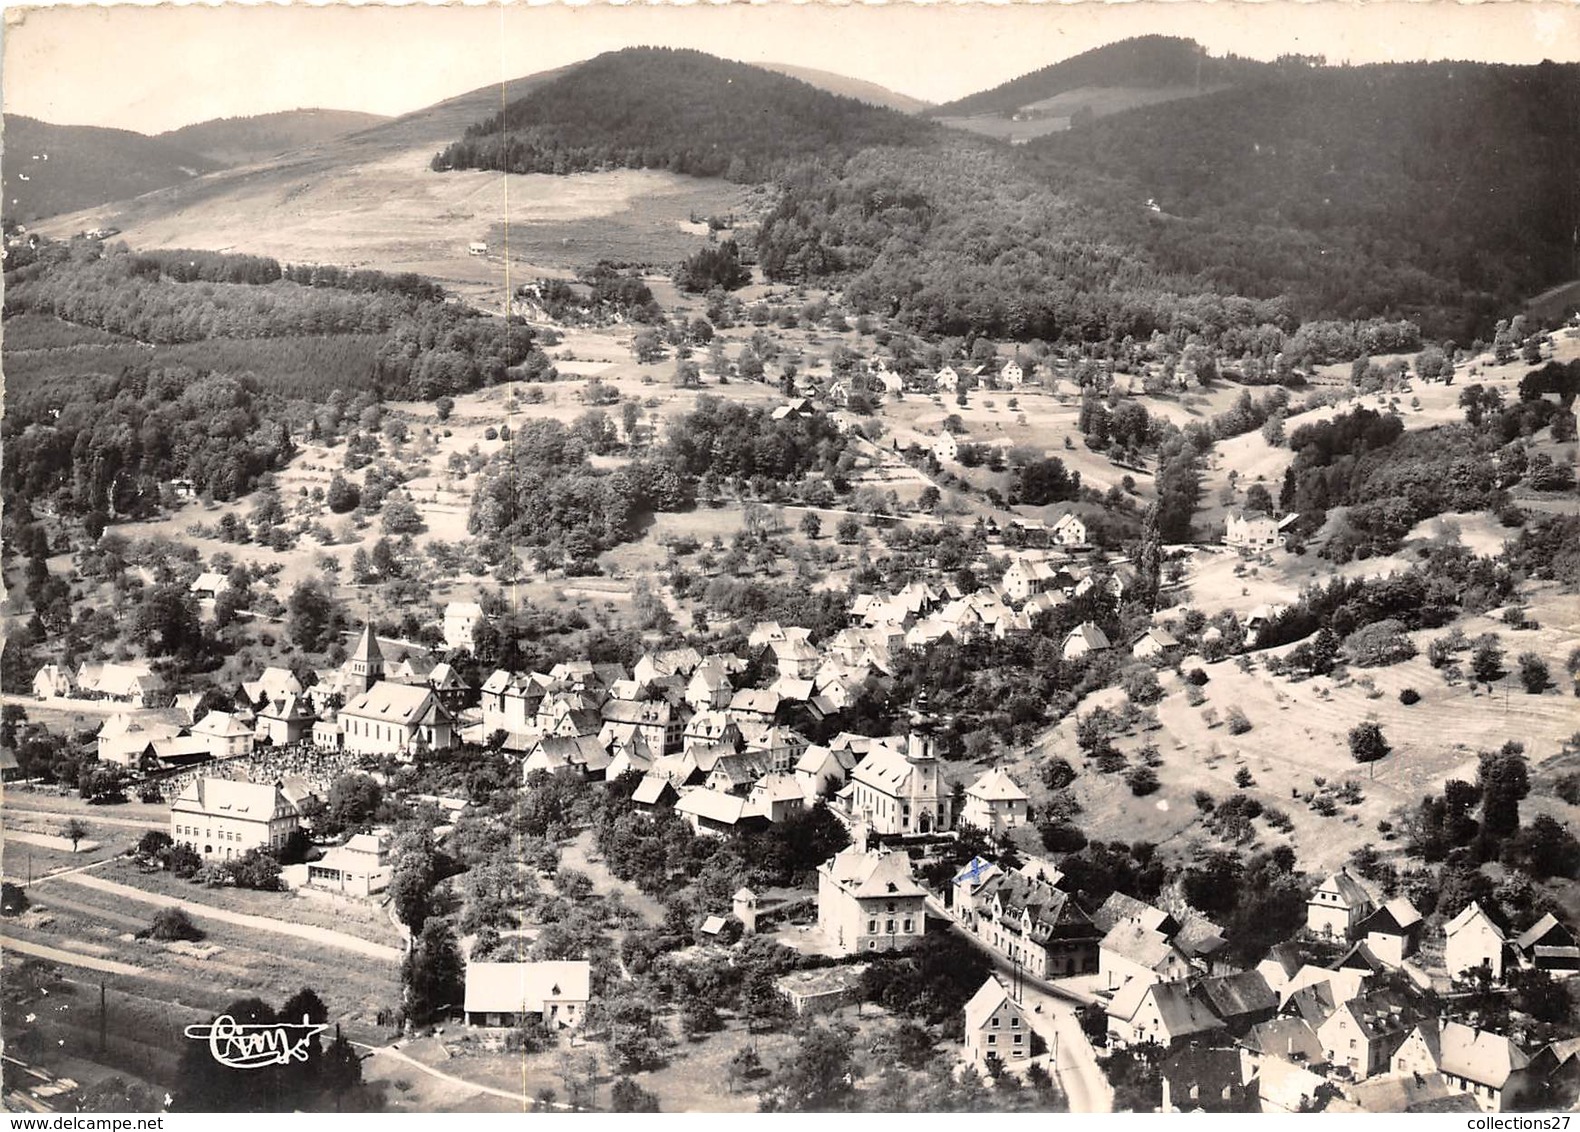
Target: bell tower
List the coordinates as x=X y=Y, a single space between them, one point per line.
x=365 y=667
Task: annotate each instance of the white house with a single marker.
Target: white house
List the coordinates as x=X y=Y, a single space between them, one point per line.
x=52 y=680
x=228 y=736
x=1338 y=906
x=1391 y=932
x=502 y=994
x=1473 y=940
x=1069 y=530
x=1155 y=642
x=209 y=585
x=996 y=1027
x=360 y=867
x=1085 y=638
x=1012 y=375
x=947 y=380
x=1251 y=530
x=1025 y=578
x=995 y=803
x=221 y=818
x=946 y=448
x=461 y=619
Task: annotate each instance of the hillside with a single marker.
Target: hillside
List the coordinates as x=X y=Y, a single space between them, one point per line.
x=1165 y=66
x=241 y=141
x=1445 y=193
x=51 y=169
x=847 y=87
x=680 y=110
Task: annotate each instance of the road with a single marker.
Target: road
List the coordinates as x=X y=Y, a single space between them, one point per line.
x=338 y=940
x=522 y=1099
x=1050 y=1011
x=91 y=816
x=70 y=958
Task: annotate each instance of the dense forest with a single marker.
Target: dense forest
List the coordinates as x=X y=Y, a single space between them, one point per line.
x=663 y=108
x=1439 y=192
x=1145 y=61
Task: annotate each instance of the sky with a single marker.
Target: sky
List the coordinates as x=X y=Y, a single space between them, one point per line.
x=151 y=68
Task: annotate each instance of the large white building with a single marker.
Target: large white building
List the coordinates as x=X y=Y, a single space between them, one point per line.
x=995 y=803
x=896 y=792
x=869 y=901
x=221 y=818
x=461 y=619
x=396 y=719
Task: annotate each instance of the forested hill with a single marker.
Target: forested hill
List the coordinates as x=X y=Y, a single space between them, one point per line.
x=682 y=110
x=51 y=169
x=1147 y=61
x=1440 y=192
x=240 y=141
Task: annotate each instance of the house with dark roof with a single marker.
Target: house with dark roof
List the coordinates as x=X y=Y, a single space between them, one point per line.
x=1363 y=1035
x=654 y=792
x=1392 y=932
x=1548 y=945
x=1479 y=1063
x=1032 y=923
x=1287 y=1039
x=1338 y=906
x=584 y=754
x=1242 y=999
x=1199 y=1078
x=1161 y=1012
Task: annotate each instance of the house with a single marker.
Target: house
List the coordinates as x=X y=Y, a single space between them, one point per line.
x=360 y=867
x=1363 y=1034
x=1085 y=638
x=946 y=449
x=585 y=754
x=1119 y=908
x=1251 y=530
x=1281 y=964
x=654 y=792
x=1477 y=1063
x=776 y=796
x=396 y=719
x=222 y=819
x=755 y=705
x=1025 y=578
x=1131 y=951
x=735 y=772
x=52 y=680
x=1338 y=906
x=1241 y=999
x=284 y=721
x=1473 y=941
x=1069 y=530
x=1392 y=931
x=1028 y=920
x=130 y=683
x=228 y=737
x=996 y=1027
x=1205 y=1078
x=947 y=380
x=796 y=658
x=798 y=408
x=1548 y=945
x=900 y=793
x=709 y=688
x=208 y=586
x=124 y=737
x=821 y=771
x=503 y=994
x=868 y=900
x=995 y=803
x=272 y=683
x=1162 y=1012
x=712 y=813
x=477 y=247
x=1284 y=1039
x=670 y=662
x=1154 y=643
x=448 y=684
x=655 y=720
x=1013 y=375
x=461 y=619
x=1557 y=1064
x=510 y=702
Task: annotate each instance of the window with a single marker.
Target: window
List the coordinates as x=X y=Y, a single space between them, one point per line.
x=1018 y=1037
x=992 y=1039
x=1014 y=1023
x=908 y=925
x=994 y=1022
x=872 y=926
x=888 y=926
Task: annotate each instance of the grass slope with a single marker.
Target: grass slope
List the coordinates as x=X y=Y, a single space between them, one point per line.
x=241 y=141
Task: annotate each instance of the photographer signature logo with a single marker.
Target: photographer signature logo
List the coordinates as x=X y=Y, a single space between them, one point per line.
x=241 y=1046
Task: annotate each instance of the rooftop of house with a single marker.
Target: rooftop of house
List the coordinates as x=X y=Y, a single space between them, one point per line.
x=524 y=987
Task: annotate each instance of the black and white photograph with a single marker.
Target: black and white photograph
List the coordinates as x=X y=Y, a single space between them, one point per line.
x=790 y=557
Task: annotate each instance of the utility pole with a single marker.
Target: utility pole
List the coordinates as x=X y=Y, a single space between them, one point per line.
x=102 y=1019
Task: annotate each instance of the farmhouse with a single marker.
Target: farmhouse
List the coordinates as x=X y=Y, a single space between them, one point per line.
x=585 y=754
x=1252 y=530
x=1472 y=941
x=1548 y=945
x=461 y=619
x=503 y=994
x=1085 y=638
x=1069 y=530
x=395 y=719
x=1390 y=933
x=1365 y=1033
x=1025 y=578
x=227 y=735
x=52 y=680
x=1161 y=1012
x=1337 y=906
x=869 y=900
x=947 y=380
x=208 y=586
x=129 y=683
x=221 y=818
x=1477 y=1063
x=945 y=448
x=1154 y=643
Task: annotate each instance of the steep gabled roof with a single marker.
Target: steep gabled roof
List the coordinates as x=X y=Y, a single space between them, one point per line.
x=1547 y=930
x=1238 y=995
x=996 y=786
x=510 y=988
x=986 y=1002
x=1396 y=917
x=1479 y=1055
x=1471 y=912
x=873 y=873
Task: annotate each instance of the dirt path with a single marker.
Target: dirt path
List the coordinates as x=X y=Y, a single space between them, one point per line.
x=260 y=923
x=522 y=1099
x=70 y=958
x=89 y=816
x=579 y=855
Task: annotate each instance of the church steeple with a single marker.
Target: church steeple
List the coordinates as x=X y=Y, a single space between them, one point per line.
x=920 y=744
x=365 y=667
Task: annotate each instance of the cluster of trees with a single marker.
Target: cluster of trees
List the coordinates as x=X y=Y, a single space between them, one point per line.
x=610 y=295
x=681 y=110
x=726 y=439
x=440 y=349
x=108 y=448
x=713 y=266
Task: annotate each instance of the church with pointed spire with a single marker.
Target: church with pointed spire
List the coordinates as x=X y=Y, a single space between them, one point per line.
x=364 y=667
x=900 y=788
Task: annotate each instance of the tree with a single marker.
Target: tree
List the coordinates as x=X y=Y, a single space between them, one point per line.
x=401 y=516
x=166 y=620
x=411 y=881
x=818 y=1077
x=312 y=618
x=73 y=831
x=432 y=974
x=648 y=347
x=343 y=495
x=1486 y=662
x=1534 y=673
x=174 y=924
x=848 y=530
x=811 y=525
x=354 y=800
x=625 y=1095
x=1503 y=778
x=1258 y=498
x=1367 y=743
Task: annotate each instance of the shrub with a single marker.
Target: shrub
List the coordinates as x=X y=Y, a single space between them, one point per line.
x=1278 y=819
x=1324 y=805
x=1062 y=837
x=1110 y=759
x=1142 y=780
x=1367 y=743
x=1194 y=695
x=1196 y=676
x=174 y=923
x=1204 y=801
x=13 y=899
x=1243 y=778
x=1380 y=643
x=1533 y=673
x=1141 y=685
x=1408 y=696
x=1239 y=724
x=1568 y=788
